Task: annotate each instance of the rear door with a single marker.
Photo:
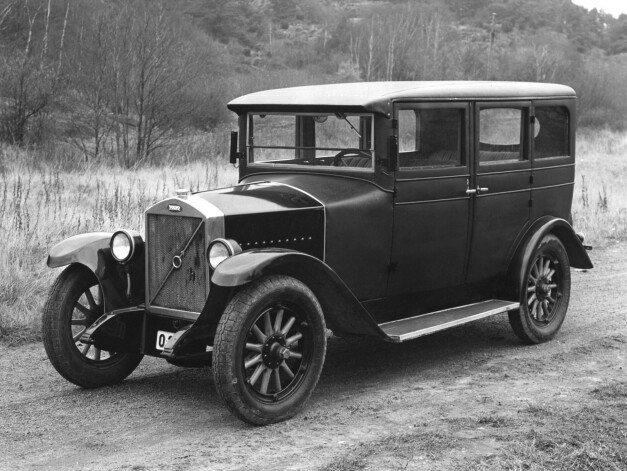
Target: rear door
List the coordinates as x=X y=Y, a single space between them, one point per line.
x=500 y=185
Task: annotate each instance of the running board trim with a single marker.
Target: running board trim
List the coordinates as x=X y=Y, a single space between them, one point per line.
x=425 y=324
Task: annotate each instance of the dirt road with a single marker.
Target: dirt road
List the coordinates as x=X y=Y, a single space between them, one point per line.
x=449 y=401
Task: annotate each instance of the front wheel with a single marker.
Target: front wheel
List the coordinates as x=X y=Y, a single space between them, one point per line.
x=74 y=303
x=269 y=350
x=545 y=293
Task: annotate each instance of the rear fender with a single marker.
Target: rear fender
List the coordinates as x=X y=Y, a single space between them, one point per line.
x=92 y=251
x=577 y=255
x=343 y=312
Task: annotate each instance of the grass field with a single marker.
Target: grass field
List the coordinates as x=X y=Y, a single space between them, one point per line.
x=42 y=203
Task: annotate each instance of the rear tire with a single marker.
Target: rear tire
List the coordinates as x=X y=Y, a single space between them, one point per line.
x=545 y=293
x=74 y=303
x=269 y=350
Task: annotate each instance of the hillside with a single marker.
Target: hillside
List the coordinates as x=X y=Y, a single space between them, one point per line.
x=122 y=77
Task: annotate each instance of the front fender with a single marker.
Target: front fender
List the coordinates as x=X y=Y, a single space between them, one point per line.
x=343 y=312
x=83 y=249
x=577 y=255
x=92 y=250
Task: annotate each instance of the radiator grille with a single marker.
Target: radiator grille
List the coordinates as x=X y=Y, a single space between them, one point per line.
x=184 y=288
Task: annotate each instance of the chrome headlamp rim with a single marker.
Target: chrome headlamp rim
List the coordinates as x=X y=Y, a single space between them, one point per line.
x=131 y=243
x=231 y=246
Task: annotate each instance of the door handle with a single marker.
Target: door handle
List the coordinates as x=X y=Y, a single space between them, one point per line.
x=476 y=191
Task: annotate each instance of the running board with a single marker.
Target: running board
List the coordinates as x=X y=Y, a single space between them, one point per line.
x=413 y=327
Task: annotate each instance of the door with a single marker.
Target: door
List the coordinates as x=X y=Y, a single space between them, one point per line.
x=431 y=207
x=500 y=186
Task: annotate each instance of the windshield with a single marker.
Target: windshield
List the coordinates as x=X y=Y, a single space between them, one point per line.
x=334 y=139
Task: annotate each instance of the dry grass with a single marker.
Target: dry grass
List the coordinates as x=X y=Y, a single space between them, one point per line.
x=43 y=203
x=40 y=205
x=600 y=199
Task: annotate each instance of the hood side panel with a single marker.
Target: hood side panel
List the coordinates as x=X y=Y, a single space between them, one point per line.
x=301 y=230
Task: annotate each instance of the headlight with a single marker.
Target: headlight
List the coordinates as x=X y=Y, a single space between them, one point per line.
x=122 y=246
x=220 y=250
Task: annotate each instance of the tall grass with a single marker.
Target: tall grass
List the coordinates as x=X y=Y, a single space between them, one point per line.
x=41 y=203
x=600 y=197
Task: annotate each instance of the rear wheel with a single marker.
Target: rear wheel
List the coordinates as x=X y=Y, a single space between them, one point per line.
x=269 y=350
x=545 y=293
x=74 y=303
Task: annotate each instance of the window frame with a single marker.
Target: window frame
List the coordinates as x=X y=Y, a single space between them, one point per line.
x=297 y=129
x=409 y=173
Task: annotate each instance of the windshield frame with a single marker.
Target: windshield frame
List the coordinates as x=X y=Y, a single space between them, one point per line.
x=320 y=162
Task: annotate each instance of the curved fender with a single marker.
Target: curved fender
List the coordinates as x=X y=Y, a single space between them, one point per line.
x=343 y=312
x=92 y=250
x=577 y=255
x=82 y=248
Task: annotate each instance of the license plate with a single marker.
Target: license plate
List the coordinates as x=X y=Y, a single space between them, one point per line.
x=162 y=339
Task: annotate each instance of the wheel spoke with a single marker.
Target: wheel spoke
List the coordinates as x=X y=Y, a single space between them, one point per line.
x=79 y=321
x=534 y=305
x=253 y=361
x=550 y=274
x=86 y=348
x=287 y=370
x=545 y=271
x=553 y=285
x=545 y=309
x=294 y=338
x=267 y=324
x=531 y=289
x=260 y=335
x=253 y=379
x=78 y=335
x=278 y=321
x=550 y=299
x=91 y=300
x=97 y=352
x=255 y=347
x=531 y=299
x=277 y=380
x=296 y=355
x=265 y=381
x=286 y=328
x=83 y=309
x=534 y=269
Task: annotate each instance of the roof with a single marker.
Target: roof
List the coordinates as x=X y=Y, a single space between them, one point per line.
x=377 y=97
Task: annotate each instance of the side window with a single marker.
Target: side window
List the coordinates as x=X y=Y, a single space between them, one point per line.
x=500 y=135
x=430 y=137
x=551 y=132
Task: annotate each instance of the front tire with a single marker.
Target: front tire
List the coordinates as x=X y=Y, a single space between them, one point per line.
x=74 y=303
x=269 y=350
x=545 y=293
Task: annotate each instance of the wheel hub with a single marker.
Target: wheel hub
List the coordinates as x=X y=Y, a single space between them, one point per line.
x=275 y=351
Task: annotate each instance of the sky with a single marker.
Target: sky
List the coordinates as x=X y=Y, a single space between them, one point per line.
x=613 y=7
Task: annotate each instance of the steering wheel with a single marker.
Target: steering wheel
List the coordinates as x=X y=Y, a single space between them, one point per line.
x=337 y=160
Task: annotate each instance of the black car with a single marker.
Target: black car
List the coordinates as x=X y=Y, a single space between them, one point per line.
x=391 y=209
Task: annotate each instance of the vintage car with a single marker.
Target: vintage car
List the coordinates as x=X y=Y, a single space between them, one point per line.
x=391 y=210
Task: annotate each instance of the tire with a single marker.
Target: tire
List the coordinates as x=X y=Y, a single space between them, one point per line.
x=545 y=293
x=74 y=303
x=269 y=350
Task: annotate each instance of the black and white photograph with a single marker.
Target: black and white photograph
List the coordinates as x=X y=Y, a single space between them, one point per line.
x=321 y=235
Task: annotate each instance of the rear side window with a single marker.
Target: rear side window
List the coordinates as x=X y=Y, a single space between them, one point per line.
x=500 y=135
x=430 y=137
x=551 y=130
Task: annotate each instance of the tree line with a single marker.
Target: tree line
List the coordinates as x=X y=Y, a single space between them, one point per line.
x=121 y=80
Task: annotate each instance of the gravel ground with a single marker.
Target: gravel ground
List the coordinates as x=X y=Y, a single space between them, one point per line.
x=458 y=397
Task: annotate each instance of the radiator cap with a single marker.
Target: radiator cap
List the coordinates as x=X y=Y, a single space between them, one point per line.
x=183 y=192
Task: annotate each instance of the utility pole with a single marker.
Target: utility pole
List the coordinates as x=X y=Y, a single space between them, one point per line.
x=491 y=46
